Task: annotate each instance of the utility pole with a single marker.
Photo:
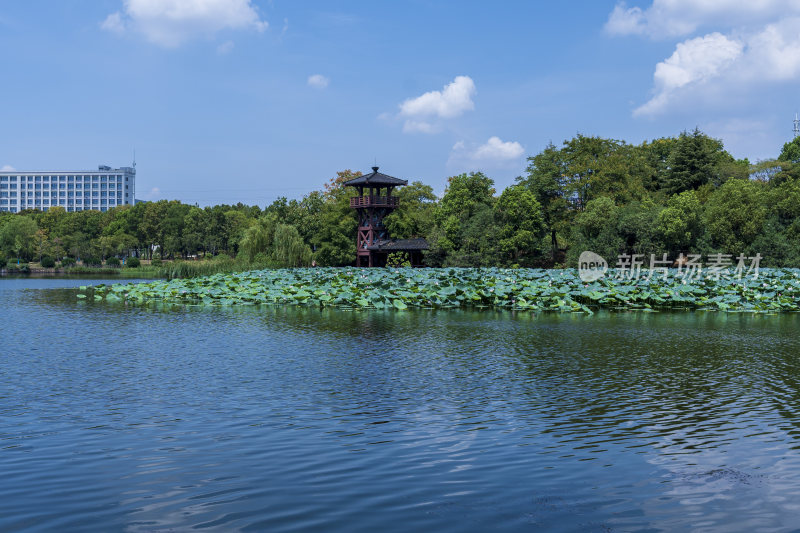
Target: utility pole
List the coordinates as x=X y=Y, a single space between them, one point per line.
x=796 y=128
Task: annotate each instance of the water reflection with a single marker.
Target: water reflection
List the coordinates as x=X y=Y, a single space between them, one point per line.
x=286 y=418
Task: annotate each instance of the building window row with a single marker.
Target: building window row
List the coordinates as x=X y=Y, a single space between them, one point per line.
x=40 y=178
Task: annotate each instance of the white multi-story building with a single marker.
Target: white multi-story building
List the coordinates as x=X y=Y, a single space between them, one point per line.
x=74 y=191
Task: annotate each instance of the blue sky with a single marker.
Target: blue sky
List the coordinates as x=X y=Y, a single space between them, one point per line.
x=249 y=100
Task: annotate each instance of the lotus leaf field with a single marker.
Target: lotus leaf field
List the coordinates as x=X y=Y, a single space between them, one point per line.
x=774 y=290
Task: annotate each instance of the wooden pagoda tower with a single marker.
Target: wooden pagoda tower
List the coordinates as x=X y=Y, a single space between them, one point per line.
x=373 y=203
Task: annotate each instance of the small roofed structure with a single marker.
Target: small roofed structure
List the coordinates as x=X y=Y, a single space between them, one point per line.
x=373 y=203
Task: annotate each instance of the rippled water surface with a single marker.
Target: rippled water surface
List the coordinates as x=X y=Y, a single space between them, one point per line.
x=286 y=419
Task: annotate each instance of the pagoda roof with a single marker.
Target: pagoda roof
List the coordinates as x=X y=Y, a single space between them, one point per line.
x=375 y=179
x=399 y=245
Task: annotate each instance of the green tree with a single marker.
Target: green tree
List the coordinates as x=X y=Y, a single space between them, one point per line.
x=236 y=222
x=414 y=214
x=152 y=226
x=466 y=196
x=257 y=239
x=779 y=240
x=18 y=237
x=679 y=224
x=595 y=229
x=335 y=237
x=546 y=180
x=306 y=215
x=791 y=151
x=520 y=225
x=51 y=220
x=173 y=227
x=637 y=227
x=735 y=215
x=586 y=160
x=478 y=241
x=214 y=226
x=656 y=154
x=288 y=248
x=694 y=161
x=195 y=228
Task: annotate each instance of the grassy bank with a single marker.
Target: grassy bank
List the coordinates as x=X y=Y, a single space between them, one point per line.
x=113 y=272
x=146 y=269
x=138 y=272
x=523 y=289
x=221 y=264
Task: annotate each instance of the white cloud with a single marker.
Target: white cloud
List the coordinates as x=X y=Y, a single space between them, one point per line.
x=625 y=21
x=774 y=52
x=676 y=18
x=694 y=61
x=716 y=64
x=424 y=112
x=494 y=152
x=170 y=23
x=318 y=81
x=113 y=23
x=497 y=150
x=753 y=44
x=450 y=102
x=7 y=168
x=225 y=48
x=420 y=126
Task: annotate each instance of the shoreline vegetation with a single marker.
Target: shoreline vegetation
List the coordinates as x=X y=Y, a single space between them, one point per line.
x=144 y=269
x=559 y=290
x=683 y=194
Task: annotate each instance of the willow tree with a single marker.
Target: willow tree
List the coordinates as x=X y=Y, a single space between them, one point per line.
x=288 y=248
x=257 y=239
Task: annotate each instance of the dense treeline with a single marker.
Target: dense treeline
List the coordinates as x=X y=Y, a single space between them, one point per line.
x=683 y=194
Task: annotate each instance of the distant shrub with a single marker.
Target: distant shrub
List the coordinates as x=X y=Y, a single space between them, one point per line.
x=112 y=261
x=191 y=269
x=398 y=259
x=47 y=262
x=92 y=261
x=2 y=262
x=67 y=262
x=157 y=262
x=132 y=262
x=21 y=267
x=260 y=259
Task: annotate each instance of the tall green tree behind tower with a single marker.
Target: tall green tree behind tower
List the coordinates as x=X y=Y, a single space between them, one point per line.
x=545 y=179
x=692 y=163
x=466 y=196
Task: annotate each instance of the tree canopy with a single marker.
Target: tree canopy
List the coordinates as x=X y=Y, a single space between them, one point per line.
x=682 y=194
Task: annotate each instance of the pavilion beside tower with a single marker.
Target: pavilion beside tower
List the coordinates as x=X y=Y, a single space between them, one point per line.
x=373 y=203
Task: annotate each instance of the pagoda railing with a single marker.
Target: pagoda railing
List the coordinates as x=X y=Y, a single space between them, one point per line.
x=373 y=201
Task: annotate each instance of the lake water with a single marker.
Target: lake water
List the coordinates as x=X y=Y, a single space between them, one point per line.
x=115 y=418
